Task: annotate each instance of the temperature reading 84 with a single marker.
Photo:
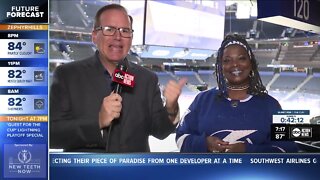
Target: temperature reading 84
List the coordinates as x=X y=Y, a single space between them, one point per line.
x=18 y=45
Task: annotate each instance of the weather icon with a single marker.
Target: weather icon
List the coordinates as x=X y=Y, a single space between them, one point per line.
x=39 y=48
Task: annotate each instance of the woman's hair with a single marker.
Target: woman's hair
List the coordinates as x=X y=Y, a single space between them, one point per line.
x=255 y=84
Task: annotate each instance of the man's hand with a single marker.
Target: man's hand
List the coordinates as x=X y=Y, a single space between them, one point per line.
x=172 y=92
x=110 y=109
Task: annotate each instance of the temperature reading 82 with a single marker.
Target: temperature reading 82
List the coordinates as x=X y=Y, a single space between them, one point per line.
x=15 y=101
x=16 y=73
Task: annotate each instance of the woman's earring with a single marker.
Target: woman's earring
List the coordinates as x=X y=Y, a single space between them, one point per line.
x=251 y=75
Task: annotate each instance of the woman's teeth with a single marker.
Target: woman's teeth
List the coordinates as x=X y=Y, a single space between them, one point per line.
x=236 y=72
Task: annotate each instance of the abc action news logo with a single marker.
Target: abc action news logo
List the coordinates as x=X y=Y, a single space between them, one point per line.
x=123 y=77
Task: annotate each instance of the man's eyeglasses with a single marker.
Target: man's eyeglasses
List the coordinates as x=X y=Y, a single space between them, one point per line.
x=110 y=31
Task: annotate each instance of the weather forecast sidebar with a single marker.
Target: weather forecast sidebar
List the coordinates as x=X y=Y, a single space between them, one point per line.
x=24 y=89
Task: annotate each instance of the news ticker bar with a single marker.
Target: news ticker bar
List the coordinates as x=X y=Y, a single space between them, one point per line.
x=295 y=132
x=184 y=166
x=158 y=159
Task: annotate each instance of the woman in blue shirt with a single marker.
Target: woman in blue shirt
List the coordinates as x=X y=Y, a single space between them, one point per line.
x=237 y=115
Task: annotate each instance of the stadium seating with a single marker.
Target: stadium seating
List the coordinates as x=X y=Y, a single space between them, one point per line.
x=288 y=81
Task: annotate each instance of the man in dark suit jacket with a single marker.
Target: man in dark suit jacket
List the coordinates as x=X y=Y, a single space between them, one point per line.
x=83 y=107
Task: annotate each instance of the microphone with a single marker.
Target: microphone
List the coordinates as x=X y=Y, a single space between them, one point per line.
x=115 y=78
x=122 y=78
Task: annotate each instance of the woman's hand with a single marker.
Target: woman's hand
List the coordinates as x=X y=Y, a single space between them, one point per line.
x=215 y=144
x=239 y=147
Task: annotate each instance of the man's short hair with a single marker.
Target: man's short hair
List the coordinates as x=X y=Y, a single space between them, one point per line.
x=109 y=7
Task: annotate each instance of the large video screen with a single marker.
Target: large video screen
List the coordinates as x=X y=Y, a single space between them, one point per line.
x=184 y=24
x=136 y=10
